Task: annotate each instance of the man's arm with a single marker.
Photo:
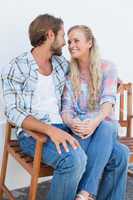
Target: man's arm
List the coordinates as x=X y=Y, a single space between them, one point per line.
x=58 y=136
x=12 y=83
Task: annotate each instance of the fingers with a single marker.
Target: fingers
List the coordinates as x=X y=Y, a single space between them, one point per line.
x=65 y=146
x=74 y=143
x=58 y=148
x=77 y=130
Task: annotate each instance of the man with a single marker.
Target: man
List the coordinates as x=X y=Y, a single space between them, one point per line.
x=33 y=85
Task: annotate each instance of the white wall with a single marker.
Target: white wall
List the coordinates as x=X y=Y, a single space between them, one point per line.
x=111 y=21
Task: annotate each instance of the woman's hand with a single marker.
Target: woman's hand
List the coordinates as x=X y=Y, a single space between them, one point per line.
x=85 y=128
x=75 y=123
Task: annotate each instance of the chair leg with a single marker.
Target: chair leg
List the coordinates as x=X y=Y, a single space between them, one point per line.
x=36 y=170
x=3 y=171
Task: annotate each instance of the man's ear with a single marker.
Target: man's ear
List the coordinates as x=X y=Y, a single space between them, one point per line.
x=50 y=35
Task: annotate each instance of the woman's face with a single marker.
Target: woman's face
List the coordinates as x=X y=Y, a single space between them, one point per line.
x=78 y=45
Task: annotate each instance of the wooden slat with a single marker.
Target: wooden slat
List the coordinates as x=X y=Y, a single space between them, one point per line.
x=121 y=117
x=129 y=110
x=8 y=193
x=26 y=161
x=123 y=123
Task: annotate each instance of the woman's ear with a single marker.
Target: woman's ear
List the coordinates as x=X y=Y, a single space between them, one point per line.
x=90 y=43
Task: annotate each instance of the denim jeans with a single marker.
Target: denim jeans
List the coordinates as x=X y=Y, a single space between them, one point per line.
x=106 y=170
x=68 y=167
x=98 y=166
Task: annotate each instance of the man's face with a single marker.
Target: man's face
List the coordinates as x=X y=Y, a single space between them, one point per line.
x=59 y=42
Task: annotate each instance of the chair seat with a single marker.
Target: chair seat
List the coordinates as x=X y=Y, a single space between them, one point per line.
x=27 y=161
x=128 y=141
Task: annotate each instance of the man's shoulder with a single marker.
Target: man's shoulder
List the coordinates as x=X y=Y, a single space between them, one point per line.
x=60 y=59
x=62 y=62
x=16 y=66
x=22 y=58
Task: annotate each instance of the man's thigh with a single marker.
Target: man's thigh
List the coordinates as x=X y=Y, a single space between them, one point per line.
x=50 y=155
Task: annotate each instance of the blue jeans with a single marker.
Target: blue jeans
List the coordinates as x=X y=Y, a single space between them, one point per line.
x=99 y=166
x=68 y=167
x=106 y=170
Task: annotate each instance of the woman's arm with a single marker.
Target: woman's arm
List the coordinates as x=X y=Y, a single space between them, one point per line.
x=107 y=100
x=68 y=112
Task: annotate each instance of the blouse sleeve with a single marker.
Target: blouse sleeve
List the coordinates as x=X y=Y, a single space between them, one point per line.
x=68 y=100
x=109 y=84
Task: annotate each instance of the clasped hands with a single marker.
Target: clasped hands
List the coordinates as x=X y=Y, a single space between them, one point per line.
x=83 y=128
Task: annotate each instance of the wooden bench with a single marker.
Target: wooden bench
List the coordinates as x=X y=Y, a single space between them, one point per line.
x=36 y=168
x=125 y=92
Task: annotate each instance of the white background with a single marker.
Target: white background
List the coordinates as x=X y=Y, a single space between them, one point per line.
x=111 y=22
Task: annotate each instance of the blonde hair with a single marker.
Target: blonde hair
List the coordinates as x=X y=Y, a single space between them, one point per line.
x=94 y=69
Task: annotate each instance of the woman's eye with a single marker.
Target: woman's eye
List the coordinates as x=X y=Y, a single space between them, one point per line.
x=76 y=41
x=69 y=42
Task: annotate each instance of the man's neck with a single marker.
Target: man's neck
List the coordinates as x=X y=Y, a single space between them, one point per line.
x=42 y=56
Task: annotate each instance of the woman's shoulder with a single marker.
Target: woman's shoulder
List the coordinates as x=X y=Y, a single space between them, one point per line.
x=107 y=65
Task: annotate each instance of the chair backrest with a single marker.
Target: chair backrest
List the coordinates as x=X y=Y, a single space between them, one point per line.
x=125 y=93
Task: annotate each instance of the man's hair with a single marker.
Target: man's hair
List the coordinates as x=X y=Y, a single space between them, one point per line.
x=40 y=26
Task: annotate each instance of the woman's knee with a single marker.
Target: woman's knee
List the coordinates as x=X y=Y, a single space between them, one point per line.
x=107 y=128
x=122 y=154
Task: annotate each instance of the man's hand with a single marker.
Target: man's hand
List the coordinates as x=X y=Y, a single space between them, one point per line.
x=59 y=137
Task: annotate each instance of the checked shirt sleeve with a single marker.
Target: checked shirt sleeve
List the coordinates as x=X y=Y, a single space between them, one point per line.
x=12 y=81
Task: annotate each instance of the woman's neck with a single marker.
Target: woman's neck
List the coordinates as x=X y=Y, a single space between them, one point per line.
x=84 y=64
x=84 y=68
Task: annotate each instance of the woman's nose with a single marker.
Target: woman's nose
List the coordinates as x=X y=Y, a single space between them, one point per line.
x=71 y=45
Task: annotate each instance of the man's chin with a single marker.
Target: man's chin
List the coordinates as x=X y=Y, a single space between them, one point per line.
x=57 y=52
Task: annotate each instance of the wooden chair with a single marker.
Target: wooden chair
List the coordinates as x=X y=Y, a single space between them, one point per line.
x=125 y=92
x=35 y=167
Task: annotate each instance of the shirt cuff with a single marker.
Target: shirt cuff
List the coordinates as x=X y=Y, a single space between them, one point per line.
x=108 y=99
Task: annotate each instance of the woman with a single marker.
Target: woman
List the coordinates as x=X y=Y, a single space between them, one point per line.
x=87 y=106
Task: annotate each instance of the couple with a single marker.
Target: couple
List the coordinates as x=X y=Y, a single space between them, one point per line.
x=72 y=104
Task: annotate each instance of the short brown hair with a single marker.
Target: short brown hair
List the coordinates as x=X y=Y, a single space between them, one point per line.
x=40 y=26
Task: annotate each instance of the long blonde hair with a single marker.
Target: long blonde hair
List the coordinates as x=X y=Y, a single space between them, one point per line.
x=94 y=68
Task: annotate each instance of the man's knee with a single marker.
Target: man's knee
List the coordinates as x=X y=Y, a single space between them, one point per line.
x=73 y=162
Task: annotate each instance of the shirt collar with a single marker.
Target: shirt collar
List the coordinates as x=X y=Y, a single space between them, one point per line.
x=33 y=62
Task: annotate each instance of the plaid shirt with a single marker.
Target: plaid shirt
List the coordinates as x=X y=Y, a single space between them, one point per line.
x=19 y=81
x=79 y=107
